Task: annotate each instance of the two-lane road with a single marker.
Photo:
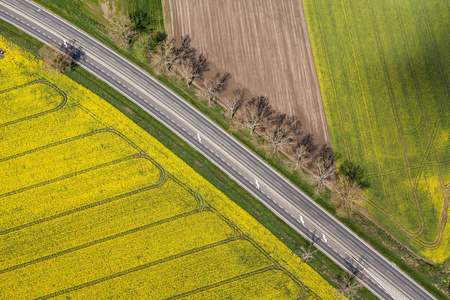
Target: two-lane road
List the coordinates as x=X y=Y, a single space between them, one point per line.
x=382 y=277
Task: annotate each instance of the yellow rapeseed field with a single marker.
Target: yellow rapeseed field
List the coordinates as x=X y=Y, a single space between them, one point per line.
x=94 y=207
x=28 y=100
x=274 y=284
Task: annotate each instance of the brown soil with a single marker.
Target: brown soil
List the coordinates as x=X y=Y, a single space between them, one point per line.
x=265 y=45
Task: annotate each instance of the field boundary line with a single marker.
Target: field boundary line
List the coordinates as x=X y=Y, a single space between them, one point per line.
x=429 y=163
x=90 y=205
x=223 y=282
x=61 y=142
x=37 y=81
x=99 y=241
x=195 y=194
x=70 y=175
x=138 y=268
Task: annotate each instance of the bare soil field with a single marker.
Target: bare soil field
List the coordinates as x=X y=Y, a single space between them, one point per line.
x=265 y=45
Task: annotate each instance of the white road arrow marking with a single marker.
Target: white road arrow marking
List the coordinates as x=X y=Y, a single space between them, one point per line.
x=199 y=138
x=301 y=220
x=257 y=184
x=324 y=238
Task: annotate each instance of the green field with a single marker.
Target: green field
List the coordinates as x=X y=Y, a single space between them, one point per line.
x=384 y=74
x=90 y=11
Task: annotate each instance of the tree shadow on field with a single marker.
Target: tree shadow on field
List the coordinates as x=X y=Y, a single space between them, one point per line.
x=427 y=66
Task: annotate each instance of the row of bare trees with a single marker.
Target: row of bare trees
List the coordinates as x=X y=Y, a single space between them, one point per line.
x=252 y=114
x=257 y=116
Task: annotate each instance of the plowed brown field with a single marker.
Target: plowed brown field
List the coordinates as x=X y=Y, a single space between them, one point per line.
x=265 y=45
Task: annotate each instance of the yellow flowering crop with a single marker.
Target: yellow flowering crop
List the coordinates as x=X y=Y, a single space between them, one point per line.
x=56 y=233
x=38 y=132
x=122 y=252
x=39 y=167
x=73 y=192
x=94 y=207
x=177 y=276
x=274 y=284
x=27 y=101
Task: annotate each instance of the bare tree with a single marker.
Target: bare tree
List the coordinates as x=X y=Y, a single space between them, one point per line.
x=165 y=55
x=326 y=155
x=303 y=151
x=161 y=55
x=256 y=113
x=308 y=252
x=321 y=174
x=282 y=131
x=323 y=168
x=211 y=88
x=55 y=60
x=347 y=192
x=122 y=30
x=193 y=68
x=182 y=53
x=234 y=102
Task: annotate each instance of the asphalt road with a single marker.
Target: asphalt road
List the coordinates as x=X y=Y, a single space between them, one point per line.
x=381 y=276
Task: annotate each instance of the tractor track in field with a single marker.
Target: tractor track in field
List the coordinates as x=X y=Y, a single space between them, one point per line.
x=138 y=268
x=37 y=81
x=96 y=242
x=414 y=234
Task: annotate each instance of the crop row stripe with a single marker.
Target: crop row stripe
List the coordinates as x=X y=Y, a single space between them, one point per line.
x=99 y=241
x=138 y=268
x=60 y=106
